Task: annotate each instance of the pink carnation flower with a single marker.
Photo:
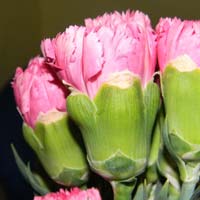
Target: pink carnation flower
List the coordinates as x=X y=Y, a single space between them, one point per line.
x=84 y=57
x=176 y=38
x=74 y=194
x=37 y=90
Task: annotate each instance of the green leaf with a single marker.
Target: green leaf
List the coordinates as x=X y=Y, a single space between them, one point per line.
x=196 y=194
x=140 y=193
x=163 y=194
x=188 y=169
x=168 y=169
x=187 y=190
x=28 y=175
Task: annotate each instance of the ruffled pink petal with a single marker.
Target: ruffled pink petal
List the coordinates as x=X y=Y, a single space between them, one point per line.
x=74 y=194
x=37 y=90
x=128 y=43
x=86 y=56
x=176 y=38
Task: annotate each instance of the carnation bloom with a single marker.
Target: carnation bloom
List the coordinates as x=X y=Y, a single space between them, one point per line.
x=37 y=90
x=177 y=38
x=74 y=194
x=85 y=57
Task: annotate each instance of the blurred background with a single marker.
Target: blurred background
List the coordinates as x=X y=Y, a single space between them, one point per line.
x=23 y=24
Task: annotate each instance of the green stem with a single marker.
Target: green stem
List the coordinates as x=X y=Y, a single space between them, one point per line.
x=174 y=192
x=187 y=190
x=122 y=190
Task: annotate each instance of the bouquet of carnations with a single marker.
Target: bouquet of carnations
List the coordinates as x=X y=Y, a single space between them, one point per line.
x=114 y=101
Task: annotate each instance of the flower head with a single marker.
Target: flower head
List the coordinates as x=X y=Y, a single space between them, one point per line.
x=37 y=90
x=86 y=56
x=74 y=194
x=177 y=38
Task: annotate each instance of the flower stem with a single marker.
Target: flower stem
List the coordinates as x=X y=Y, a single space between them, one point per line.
x=187 y=190
x=122 y=190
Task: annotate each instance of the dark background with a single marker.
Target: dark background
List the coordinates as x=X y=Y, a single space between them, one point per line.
x=23 y=24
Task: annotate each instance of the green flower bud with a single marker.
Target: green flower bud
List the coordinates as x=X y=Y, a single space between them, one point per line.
x=57 y=149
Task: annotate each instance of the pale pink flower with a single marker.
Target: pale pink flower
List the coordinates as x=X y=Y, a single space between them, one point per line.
x=74 y=194
x=176 y=38
x=86 y=56
x=37 y=90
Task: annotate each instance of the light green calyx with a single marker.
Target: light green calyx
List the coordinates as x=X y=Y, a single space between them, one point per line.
x=58 y=150
x=116 y=125
x=181 y=93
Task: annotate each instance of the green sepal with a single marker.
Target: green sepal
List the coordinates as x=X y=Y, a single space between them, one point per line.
x=155 y=145
x=151 y=172
x=175 y=157
x=74 y=177
x=152 y=104
x=30 y=177
x=118 y=167
x=165 y=163
x=58 y=150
